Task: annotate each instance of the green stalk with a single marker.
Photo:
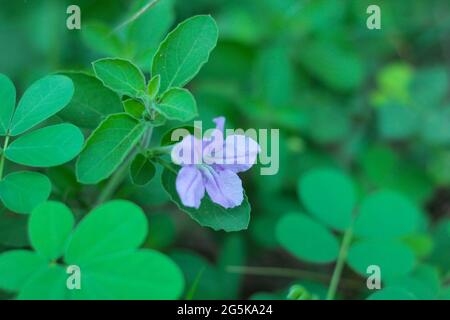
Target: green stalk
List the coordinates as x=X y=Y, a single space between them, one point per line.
x=343 y=252
x=121 y=173
x=114 y=182
x=288 y=273
x=2 y=159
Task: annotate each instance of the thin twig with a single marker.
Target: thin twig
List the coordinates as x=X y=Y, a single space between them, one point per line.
x=289 y=273
x=135 y=16
x=343 y=252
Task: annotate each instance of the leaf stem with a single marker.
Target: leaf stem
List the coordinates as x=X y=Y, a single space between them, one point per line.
x=343 y=252
x=2 y=159
x=158 y=151
x=165 y=164
x=113 y=182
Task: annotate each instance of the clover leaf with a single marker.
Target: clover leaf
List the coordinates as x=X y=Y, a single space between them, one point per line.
x=104 y=245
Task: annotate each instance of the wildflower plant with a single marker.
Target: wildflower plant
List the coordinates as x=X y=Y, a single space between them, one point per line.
x=122 y=110
x=109 y=189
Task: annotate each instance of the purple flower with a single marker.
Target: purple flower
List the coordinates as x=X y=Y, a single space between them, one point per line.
x=211 y=165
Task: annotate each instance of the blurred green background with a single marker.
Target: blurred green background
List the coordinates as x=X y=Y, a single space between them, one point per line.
x=373 y=103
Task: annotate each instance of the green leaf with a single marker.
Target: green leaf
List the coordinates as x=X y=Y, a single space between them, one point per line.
x=202 y=278
x=435 y=129
x=233 y=253
x=392 y=293
x=441 y=240
x=49 y=228
x=134 y=108
x=46 y=284
x=177 y=104
x=145 y=274
x=120 y=75
x=184 y=51
x=394 y=258
x=17 y=266
x=114 y=227
x=153 y=86
x=328 y=123
x=396 y=121
x=158 y=19
x=107 y=147
x=100 y=38
x=166 y=138
x=64 y=182
x=386 y=214
x=92 y=102
x=329 y=195
x=141 y=170
x=7 y=103
x=393 y=83
x=429 y=86
x=424 y=282
x=210 y=214
x=162 y=231
x=420 y=243
x=13 y=229
x=306 y=239
x=22 y=191
x=274 y=75
x=40 y=101
x=46 y=147
x=329 y=62
x=444 y=294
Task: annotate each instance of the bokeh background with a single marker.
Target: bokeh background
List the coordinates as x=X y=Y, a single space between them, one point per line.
x=373 y=103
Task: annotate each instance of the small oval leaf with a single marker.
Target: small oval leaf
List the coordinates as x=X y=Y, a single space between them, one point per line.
x=177 y=104
x=141 y=170
x=40 y=101
x=306 y=239
x=46 y=147
x=120 y=75
x=22 y=191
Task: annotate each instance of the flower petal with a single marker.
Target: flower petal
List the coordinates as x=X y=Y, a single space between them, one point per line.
x=224 y=187
x=188 y=151
x=220 y=123
x=213 y=148
x=239 y=154
x=190 y=187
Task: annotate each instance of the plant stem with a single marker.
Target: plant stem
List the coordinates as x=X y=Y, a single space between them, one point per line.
x=113 y=182
x=143 y=10
x=165 y=165
x=158 y=151
x=287 y=272
x=121 y=173
x=343 y=252
x=2 y=159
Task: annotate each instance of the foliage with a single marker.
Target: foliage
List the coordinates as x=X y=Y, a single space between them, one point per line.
x=86 y=177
